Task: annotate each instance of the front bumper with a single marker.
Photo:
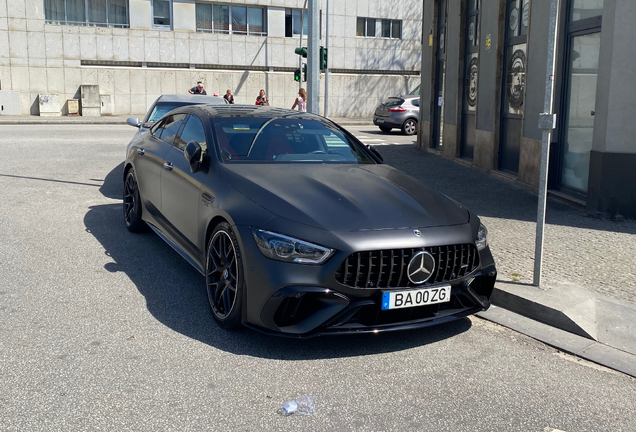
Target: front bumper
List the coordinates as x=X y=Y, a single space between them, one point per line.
x=304 y=301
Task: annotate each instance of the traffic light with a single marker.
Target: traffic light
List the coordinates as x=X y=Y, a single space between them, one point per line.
x=323 y=58
x=302 y=51
x=305 y=72
x=297 y=75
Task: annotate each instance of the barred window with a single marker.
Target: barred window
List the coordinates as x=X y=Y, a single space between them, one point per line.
x=100 y=13
x=220 y=18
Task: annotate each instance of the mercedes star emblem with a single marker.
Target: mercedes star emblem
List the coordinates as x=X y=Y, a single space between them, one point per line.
x=417 y=233
x=421 y=267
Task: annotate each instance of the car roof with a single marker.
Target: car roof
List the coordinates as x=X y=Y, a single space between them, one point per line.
x=224 y=111
x=198 y=99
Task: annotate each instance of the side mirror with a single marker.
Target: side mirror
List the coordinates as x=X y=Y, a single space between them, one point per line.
x=133 y=121
x=375 y=152
x=192 y=154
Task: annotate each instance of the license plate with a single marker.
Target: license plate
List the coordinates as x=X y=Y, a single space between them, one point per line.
x=379 y=120
x=413 y=298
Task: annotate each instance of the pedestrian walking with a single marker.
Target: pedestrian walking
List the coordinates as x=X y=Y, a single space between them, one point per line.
x=198 y=89
x=262 y=99
x=301 y=101
x=229 y=97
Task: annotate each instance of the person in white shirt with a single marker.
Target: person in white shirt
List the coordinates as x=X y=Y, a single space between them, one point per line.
x=301 y=101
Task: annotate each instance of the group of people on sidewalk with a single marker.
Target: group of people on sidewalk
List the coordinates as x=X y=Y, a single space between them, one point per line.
x=300 y=103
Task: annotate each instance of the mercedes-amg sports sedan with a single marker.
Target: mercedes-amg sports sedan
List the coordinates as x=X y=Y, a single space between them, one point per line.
x=299 y=229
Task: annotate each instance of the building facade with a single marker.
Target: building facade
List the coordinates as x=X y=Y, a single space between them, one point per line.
x=136 y=50
x=483 y=86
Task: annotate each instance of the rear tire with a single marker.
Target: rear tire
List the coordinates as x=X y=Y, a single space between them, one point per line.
x=385 y=128
x=132 y=203
x=409 y=127
x=224 y=279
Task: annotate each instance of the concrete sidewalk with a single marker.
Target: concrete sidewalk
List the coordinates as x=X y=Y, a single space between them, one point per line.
x=119 y=120
x=587 y=304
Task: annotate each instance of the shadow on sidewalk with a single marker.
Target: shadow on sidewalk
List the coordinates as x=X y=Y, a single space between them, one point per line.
x=488 y=196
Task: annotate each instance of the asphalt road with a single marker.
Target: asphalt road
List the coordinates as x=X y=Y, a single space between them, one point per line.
x=101 y=329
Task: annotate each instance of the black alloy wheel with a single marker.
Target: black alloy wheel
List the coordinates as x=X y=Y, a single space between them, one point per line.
x=132 y=203
x=385 y=128
x=223 y=277
x=409 y=127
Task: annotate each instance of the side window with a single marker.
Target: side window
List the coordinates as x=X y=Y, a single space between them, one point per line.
x=193 y=131
x=157 y=129
x=171 y=127
x=415 y=102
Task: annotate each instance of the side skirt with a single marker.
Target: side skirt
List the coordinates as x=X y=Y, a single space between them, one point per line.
x=180 y=251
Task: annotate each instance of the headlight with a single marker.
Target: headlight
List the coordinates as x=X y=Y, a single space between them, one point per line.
x=287 y=249
x=482 y=237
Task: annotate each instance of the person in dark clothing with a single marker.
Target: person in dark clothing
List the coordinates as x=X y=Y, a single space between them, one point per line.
x=262 y=99
x=198 y=89
x=229 y=97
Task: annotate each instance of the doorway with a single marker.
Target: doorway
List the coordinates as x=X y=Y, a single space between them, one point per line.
x=514 y=85
x=440 y=77
x=576 y=128
x=471 y=74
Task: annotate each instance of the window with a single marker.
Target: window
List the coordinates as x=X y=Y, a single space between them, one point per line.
x=365 y=27
x=293 y=18
x=171 y=127
x=388 y=28
x=219 y=18
x=100 y=13
x=161 y=14
x=253 y=140
x=193 y=131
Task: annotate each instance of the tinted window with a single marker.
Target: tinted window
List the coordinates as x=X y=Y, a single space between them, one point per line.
x=415 y=102
x=193 y=131
x=285 y=140
x=390 y=102
x=171 y=127
x=162 y=109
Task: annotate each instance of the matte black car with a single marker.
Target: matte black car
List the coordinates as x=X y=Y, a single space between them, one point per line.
x=299 y=229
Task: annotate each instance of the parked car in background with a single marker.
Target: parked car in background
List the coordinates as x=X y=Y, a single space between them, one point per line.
x=166 y=103
x=398 y=113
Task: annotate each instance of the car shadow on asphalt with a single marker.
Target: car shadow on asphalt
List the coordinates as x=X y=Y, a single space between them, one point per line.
x=175 y=295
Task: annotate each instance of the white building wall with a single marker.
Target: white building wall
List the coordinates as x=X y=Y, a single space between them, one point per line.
x=36 y=57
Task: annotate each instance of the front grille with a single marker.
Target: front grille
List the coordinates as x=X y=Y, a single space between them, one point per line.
x=388 y=268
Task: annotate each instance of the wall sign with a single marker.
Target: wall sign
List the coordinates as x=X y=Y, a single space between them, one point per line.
x=488 y=42
x=473 y=70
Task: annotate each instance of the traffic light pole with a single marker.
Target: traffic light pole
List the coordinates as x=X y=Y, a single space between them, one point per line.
x=326 y=113
x=313 y=60
x=300 y=45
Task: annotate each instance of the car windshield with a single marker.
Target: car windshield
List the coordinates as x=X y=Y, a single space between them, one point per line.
x=163 y=108
x=285 y=140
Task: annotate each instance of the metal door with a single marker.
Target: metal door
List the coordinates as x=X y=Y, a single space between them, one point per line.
x=471 y=74
x=514 y=85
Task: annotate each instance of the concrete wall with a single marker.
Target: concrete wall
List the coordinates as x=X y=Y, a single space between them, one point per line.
x=36 y=57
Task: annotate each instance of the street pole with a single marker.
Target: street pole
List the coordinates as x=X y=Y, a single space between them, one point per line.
x=313 y=60
x=326 y=113
x=547 y=122
x=300 y=45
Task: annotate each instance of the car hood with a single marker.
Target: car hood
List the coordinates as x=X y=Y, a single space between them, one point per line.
x=344 y=197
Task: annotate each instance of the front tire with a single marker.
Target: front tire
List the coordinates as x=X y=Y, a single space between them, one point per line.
x=224 y=280
x=409 y=127
x=385 y=128
x=132 y=203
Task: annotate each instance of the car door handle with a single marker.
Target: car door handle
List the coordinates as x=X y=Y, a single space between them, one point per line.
x=168 y=166
x=141 y=152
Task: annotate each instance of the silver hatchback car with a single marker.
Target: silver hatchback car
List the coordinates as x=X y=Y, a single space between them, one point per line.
x=401 y=112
